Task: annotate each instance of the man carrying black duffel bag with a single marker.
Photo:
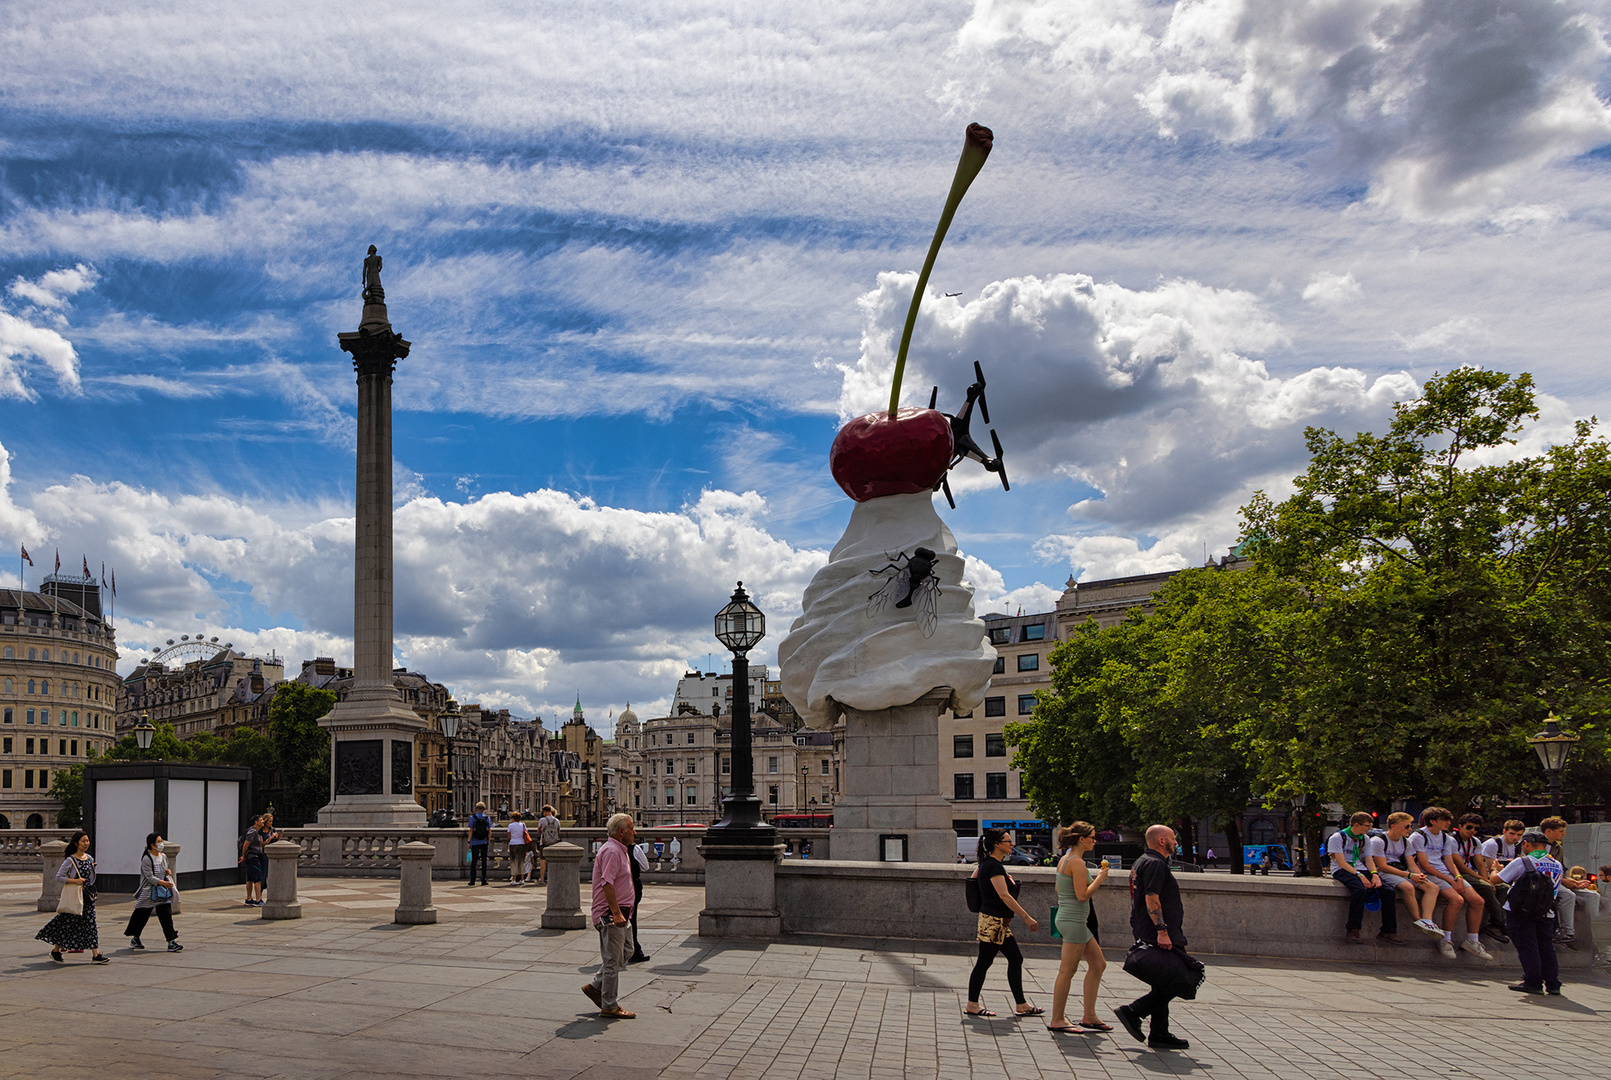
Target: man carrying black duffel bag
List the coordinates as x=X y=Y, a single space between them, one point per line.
x=1159 y=956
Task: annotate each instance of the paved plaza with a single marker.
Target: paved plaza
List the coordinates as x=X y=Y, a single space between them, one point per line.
x=485 y=993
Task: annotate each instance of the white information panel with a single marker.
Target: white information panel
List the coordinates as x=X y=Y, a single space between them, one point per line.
x=187 y=821
x=124 y=810
x=223 y=824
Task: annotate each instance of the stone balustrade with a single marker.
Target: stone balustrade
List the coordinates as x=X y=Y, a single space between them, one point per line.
x=19 y=848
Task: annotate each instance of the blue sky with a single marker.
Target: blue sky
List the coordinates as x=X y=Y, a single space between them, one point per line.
x=651 y=258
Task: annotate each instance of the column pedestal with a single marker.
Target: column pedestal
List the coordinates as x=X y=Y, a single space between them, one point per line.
x=372 y=761
x=741 y=896
x=891 y=785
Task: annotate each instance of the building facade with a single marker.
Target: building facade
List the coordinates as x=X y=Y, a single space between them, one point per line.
x=58 y=692
x=194 y=685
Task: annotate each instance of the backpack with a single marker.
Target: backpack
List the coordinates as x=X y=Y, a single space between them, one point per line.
x=1532 y=896
x=478 y=827
x=970 y=892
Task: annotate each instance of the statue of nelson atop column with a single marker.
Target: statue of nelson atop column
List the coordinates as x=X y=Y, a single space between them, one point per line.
x=373 y=293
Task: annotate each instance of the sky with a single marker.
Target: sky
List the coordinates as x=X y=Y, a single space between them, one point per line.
x=652 y=255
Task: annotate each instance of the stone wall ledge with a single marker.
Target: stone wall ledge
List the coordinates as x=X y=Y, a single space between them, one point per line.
x=1227 y=915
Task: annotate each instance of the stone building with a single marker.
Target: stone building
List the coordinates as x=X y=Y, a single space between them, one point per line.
x=975 y=775
x=623 y=763
x=586 y=786
x=190 y=684
x=513 y=769
x=58 y=692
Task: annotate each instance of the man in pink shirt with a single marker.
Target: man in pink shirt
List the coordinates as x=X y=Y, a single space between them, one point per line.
x=612 y=914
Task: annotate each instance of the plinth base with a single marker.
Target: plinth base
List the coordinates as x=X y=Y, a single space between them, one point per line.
x=741 y=891
x=271 y=910
x=372 y=761
x=891 y=784
x=414 y=916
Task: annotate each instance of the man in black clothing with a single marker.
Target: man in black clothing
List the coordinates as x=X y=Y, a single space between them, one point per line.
x=1155 y=918
x=638 y=861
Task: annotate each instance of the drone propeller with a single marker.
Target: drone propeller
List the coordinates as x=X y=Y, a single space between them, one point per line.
x=945 y=485
x=984 y=410
x=1001 y=465
x=934 y=396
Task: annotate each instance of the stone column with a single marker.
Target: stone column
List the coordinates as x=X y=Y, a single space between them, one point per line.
x=892 y=784
x=51 y=854
x=741 y=897
x=564 y=910
x=279 y=897
x=372 y=756
x=414 y=899
x=171 y=850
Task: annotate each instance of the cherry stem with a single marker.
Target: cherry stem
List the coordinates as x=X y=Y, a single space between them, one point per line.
x=975 y=149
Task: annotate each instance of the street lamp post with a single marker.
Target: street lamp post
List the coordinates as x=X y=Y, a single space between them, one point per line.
x=450 y=731
x=1553 y=749
x=143 y=733
x=740 y=626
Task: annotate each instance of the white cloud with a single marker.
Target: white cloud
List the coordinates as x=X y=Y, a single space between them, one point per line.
x=1451 y=335
x=1440 y=104
x=1328 y=288
x=43 y=300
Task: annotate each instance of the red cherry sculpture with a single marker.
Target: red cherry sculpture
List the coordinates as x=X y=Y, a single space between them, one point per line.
x=877 y=455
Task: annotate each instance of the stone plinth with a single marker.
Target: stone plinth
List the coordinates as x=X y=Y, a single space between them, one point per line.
x=890 y=784
x=564 y=909
x=279 y=895
x=51 y=854
x=414 y=893
x=740 y=890
x=171 y=850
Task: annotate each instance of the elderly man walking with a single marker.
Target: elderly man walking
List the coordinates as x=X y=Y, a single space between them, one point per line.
x=1155 y=918
x=612 y=905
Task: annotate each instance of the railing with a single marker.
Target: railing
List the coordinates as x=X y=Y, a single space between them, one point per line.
x=19 y=848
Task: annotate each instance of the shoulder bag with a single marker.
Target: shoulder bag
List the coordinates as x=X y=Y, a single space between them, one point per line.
x=71 y=901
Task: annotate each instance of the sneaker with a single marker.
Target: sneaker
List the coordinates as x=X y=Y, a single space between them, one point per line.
x=1523 y=988
x=1428 y=927
x=1569 y=941
x=1167 y=1042
x=1446 y=947
x=1477 y=949
x=56 y=955
x=100 y=958
x=1132 y=1023
x=174 y=946
x=134 y=943
x=1553 y=991
x=638 y=959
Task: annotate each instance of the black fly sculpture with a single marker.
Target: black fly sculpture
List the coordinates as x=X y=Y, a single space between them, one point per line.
x=912 y=579
x=962 y=444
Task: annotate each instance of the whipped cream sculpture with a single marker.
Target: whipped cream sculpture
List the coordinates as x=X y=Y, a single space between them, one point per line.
x=888 y=619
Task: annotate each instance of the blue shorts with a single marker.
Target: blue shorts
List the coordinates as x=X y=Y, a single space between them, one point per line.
x=256 y=867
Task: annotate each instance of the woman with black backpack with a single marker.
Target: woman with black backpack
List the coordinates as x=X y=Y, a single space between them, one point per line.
x=998 y=903
x=1534 y=881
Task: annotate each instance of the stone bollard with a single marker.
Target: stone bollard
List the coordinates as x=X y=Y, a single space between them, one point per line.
x=414 y=900
x=564 y=911
x=171 y=850
x=51 y=854
x=279 y=896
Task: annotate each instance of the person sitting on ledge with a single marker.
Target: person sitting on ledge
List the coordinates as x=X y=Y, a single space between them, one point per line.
x=1391 y=859
x=1351 y=853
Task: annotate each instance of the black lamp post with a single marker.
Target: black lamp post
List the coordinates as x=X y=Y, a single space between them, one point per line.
x=740 y=626
x=143 y=733
x=1553 y=750
x=450 y=731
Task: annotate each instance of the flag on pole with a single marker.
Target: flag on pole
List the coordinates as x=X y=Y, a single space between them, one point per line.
x=86 y=565
x=103 y=575
x=58 y=560
x=114 y=581
x=28 y=557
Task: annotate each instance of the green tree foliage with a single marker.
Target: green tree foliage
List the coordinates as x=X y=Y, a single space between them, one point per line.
x=67 y=788
x=303 y=749
x=1417 y=606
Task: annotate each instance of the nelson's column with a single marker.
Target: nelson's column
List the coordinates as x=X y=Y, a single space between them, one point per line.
x=372 y=759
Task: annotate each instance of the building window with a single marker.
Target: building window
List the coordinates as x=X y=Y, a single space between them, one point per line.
x=772 y=766
x=963 y=715
x=995 y=745
x=1001 y=666
x=654 y=800
x=727 y=766
x=825 y=767
x=30 y=716
x=75 y=748
x=31 y=655
x=9 y=654
x=32 y=687
x=690 y=738
x=27 y=778
x=8 y=687
x=6 y=745
x=8 y=716
x=995 y=706
x=61 y=749
x=962 y=785
x=45 y=655
x=693 y=797
x=1035 y=633
x=1029 y=662
x=961 y=746
x=772 y=794
x=30 y=745
x=5 y=777
x=996 y=785
x=1026 y=704
x=693 y=765
x=1000 y=634
x=965 y=827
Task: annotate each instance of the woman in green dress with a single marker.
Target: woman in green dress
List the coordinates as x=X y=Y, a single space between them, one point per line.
x=1074 y=888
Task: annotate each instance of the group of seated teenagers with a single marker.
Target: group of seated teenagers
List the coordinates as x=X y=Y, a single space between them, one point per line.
x=1442 y=860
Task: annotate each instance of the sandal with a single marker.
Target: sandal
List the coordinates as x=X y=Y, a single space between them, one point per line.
x=981 y=1012
x=1031 y=1011
x=1095 y=1025
x=1071 y=1029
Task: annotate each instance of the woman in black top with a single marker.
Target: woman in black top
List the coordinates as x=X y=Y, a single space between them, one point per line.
x=998 y=903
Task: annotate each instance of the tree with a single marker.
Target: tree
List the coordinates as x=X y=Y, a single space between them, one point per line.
x=67 y=788
x=302 y=748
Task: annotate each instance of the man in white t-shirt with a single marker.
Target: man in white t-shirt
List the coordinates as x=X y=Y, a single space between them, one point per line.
x=1495 y=852
x=1436 y=853
x=1348 y=857
x=1390 y=856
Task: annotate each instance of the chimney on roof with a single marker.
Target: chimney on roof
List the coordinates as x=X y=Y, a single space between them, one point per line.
x=324 y=665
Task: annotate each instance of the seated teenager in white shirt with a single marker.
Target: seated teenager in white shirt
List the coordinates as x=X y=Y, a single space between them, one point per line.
x=1390 y=856
x=1349 y=855
x=1573 y=894
x=1436 y=853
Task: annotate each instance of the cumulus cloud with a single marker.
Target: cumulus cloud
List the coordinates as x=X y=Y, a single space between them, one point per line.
x=1327 y=288
x=1438 y=104
x=24 y=335
x=1153 y=397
